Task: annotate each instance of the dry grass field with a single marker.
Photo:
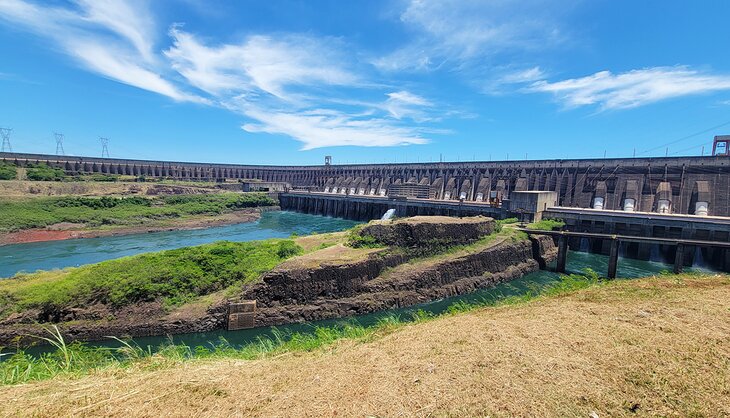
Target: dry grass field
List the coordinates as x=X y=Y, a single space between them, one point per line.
x=17 y=189
x=651 y=347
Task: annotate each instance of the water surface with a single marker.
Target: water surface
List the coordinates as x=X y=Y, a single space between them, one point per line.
x=577 y=263
x=75 y=252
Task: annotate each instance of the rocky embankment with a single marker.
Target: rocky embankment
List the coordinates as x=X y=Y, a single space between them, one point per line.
x=423 y=259
x=384 y=281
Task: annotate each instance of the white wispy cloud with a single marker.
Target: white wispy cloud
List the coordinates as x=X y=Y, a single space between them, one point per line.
x=404 y=104
x=262 y=75
x=284 y=82
x=325 y=128
x=113 y=38
x=459 y=33
x=260 y=63
x=522 y=76
x=633 y=88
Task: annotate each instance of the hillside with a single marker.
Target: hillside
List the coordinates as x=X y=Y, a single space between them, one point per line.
x=655 y=346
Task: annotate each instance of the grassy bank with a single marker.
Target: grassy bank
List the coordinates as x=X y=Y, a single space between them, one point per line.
x=582 y=346
x=22 y=214
x=174 y=276
x=77 y=358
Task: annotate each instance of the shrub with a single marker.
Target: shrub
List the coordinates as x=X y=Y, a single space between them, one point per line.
x=44 y=172
x=8 y=171
x=288 y=249
x=547 y=225
x=356 y=239
x=103 y=177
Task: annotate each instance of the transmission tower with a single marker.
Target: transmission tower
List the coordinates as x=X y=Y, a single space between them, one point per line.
x=5 y=134
x=59 y=144
x=104 y=147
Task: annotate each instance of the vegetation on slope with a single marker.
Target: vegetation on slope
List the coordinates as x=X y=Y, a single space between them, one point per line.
x=44 y=172
x=8 y=171
x=175 y=276
x=610 y=348
x=95 y=212
x=78 y=358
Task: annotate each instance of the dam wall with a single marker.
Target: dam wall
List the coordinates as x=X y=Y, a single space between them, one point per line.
x=362 y=208
x=685 y=185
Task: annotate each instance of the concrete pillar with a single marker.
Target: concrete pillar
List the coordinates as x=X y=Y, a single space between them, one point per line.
x=679 y=259
x=562 y=254
x=613 y=259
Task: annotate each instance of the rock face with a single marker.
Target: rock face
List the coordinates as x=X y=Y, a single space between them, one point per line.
x=429 y=230
x=302 y=286
x=302 y=295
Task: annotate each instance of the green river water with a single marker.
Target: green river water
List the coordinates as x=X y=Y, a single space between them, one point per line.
x=30 y=257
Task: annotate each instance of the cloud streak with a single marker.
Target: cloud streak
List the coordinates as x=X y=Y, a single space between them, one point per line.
x=282 y=82
x=468 y=32
x=109 y=37
x=633 y=88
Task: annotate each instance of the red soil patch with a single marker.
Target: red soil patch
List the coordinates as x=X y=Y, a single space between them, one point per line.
x=51 y=233
x=37 y=235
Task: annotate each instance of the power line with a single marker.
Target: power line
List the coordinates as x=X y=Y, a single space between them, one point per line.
x=685 y=137
x=5 y=134
x=104 y=147
x=59 y=143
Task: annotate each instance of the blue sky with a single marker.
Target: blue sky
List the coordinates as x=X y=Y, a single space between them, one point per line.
x=288 y=82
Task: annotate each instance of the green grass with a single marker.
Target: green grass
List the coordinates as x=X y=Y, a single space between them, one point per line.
x=173 y=276
x=96 y=212
x=547 y=225
x=78 y=359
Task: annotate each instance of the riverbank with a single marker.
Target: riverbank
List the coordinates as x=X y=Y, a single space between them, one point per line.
x=69 y=230
x=17 y=189
x=337 y=275
x=609 y=348
x=68 y=217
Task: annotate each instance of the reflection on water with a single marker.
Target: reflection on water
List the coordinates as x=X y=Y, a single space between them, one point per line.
x=59 y=254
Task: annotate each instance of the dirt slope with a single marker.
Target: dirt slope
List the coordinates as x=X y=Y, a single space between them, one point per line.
x=656 y=346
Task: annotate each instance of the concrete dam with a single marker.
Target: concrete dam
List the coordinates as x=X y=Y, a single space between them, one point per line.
x=682 y=185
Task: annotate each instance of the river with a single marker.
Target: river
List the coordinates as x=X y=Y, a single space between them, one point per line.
x=75 y=252
x=271 y=225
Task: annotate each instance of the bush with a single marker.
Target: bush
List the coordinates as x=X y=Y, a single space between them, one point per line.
x=8 y=171
x=105 y=202
x=103 y=177
x=44 y=172
x=501 y=222
x=356 y=239
x=547 y=225
x=288 y=249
